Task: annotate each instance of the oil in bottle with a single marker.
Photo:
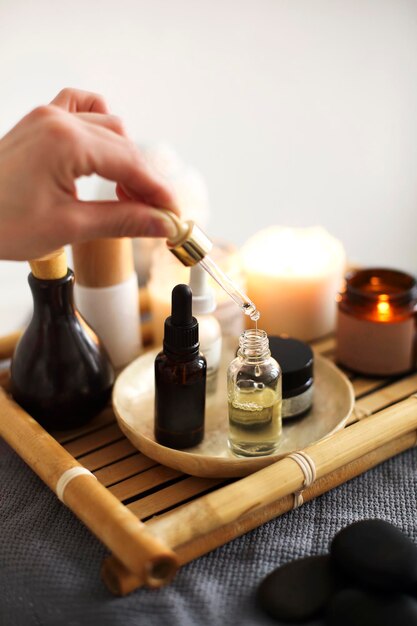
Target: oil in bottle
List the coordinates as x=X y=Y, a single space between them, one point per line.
x=254 y=397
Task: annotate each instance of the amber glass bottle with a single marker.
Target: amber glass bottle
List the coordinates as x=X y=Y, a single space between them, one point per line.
x=180 y=377
x=60 y=372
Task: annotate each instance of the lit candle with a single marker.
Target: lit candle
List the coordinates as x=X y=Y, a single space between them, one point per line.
x=376 y=325
x=383 y=307
x=293 y=276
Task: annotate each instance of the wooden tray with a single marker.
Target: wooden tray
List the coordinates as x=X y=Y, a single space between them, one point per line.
x=149 y=488
x=154 y=492
x=133 y=403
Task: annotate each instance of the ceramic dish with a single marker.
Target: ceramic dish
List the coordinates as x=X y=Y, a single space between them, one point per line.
x=133 y=402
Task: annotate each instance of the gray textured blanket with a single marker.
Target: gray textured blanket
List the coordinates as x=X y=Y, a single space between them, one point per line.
x=50 y=564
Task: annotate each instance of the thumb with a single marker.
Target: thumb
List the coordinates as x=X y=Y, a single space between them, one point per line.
x=93 y=220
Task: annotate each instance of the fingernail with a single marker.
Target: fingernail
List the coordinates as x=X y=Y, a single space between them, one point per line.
x=162 y=225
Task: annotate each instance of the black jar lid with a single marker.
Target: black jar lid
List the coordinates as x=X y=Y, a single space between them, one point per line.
x=297 y=363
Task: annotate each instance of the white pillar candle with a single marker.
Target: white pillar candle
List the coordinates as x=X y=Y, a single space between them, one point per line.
x=293 y=276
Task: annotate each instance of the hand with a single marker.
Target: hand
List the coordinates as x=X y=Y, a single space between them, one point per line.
x=43 y=155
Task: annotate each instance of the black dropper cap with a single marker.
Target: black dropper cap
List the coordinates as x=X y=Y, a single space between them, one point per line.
x=181 y=328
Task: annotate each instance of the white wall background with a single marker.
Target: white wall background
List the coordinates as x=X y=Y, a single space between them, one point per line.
x=296 y=111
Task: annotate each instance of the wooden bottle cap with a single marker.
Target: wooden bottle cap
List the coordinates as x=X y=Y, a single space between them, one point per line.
x=103 y=262
x=51 y=266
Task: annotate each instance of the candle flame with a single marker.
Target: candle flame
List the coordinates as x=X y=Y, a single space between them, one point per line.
x=383 y=307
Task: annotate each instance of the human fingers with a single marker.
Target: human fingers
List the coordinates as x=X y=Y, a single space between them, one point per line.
x=116 y=158
x=45 y=117
x=77 y=101
x=114 y=123
x=121 y=194
x=92 y=220
x=126 y=196
x=111 y=122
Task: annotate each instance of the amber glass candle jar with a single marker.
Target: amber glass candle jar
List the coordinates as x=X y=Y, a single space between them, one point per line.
x=376 y=322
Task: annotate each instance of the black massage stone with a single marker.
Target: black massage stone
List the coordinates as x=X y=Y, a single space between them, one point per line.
x=376 y=555
x=352 y=607
x=312 y=622
x=298 y=590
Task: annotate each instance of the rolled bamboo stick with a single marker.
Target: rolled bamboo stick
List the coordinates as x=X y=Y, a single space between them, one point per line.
x=231 y=503
x=118 y=579
x=383 y=397
x=121 y=581
x=8 y=344
x=5 y=379
x=285 y=504
x=134 y=545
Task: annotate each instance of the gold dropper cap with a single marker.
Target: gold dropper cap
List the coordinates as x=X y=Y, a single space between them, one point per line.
x=52 y=266
x=190 y=245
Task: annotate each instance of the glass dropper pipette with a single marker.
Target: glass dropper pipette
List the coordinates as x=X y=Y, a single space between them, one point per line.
x=191 y=246
x=241 y=299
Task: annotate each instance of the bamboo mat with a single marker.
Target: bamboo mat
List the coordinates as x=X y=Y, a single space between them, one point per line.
x=150 y=489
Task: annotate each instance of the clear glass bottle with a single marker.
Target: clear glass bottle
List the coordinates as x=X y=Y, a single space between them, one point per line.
x=254 y=389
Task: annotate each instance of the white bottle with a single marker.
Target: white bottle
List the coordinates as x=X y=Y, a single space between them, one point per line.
x=210 y=333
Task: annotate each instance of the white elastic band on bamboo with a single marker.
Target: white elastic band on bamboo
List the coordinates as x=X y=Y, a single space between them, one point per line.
x=307 y=466
x=67 y=477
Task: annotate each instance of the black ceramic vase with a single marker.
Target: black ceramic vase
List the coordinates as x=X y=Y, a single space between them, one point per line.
x=60 y=372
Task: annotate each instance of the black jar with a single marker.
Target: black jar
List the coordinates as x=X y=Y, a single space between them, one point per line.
x=297 y=363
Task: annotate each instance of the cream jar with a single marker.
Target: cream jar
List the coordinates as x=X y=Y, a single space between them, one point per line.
x=297 y=363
